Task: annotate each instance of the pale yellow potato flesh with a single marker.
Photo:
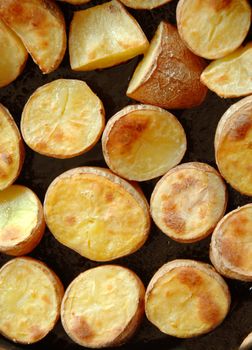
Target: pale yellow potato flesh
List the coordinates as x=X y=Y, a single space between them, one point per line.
x=144 y=4
x=233 y=142
x=213 y=28
x=11 y=149
x=30 y=297
x=62 y=119
x=188 y=202
x=142 y=142
x=103 y=36
x=41 y=27
x=97 y=214
x=103 y=306
x=230 y=76
x=186 y=299
x=13 y=55
x=231 y=247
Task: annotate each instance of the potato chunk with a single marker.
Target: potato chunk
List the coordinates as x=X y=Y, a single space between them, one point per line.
x=144 y=4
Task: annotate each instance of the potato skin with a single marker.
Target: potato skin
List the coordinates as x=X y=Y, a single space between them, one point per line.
x=75 y=2
x=144 y=4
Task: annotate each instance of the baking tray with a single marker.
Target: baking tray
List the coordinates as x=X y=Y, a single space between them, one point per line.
x=38 y=172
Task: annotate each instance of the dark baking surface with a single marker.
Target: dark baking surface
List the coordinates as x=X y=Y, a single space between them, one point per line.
x=38 y=172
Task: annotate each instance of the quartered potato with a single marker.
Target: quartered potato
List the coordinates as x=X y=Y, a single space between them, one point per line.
x=103 y=36
x=144 y=4
x=41 y=27
x=213 y=28
x=230 y=76
x=188 y=202
x=169 y=74
x=231 y=248
x=22 y=222
x=62 y=119
x=96 y=213
x=103 y=306
x=233 y=146
x=30 y=298
x=186 y=298
x=142 y=142
x=13 y=55
x=11 y=149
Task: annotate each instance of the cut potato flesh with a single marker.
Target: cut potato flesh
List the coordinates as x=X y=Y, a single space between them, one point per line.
x=62 y=119
x=96 y=213
x=231 y=76
x=231 y=248
x=213 y=28
x=142 y=142
x=186 y=299
x=144 y=4
x=13 y=55
x=11 y=149
x=30 y=297
x=103 y=36
x=41 y=27
x=188 y=202
x=233 y=146
x=247 y=343
x=103 y=306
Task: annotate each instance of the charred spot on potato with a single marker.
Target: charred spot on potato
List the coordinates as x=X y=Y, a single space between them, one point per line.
x=70 y=220
x=240 y=129
x=219 y=5
x=230 y=251
x=190 y=277
x=80 y=328
x=209 y=311
x=188 y=181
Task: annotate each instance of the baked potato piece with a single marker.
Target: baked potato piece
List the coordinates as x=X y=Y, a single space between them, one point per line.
x=30 y=298
x=96 y=213
x=144 y=4
x=103 y=36
x=186 y=298
x=41 y=27
x=188 y=202
x=103 y=306
x=230 y=76
x=230 y=250
x=213 y=28
x=13 y=55
x=11 y=149
x=22 y=222
x=247 y=343
x=169 y=74
x=142 y=142
x=233 y=140
x=62 y=119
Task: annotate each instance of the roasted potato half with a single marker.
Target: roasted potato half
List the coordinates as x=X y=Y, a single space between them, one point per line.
x=142 y=142
x=41 y=27
x=30 y=299
x=230 y=76
x=103 y=36
x=169 y=74
x=247 y=343
x=231 y=250
x=11 y=149
x=213 y=28
x=233 y=140
x=62 y=119
x=188 y=202
x=96 y=213
x=22 y=222
x=13 y=55
x=144 y=4
x=186 y=298
x=103 y=306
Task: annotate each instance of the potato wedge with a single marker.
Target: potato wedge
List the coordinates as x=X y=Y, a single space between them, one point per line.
x=144 y=4
x=41 y=27
x=233 y=142
x=62 y=119
x=230 y=76
x=247 y=343
x=169 y=74
x=96 y=213
x=103 y=36
x=142 y=142
x=213 y=28
x=103 y=306
x=22 y=222
x=13 y=55
x=30 y=298
x=11 y=149
x=231 y=250
x=186 y=298
x=188 y=202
